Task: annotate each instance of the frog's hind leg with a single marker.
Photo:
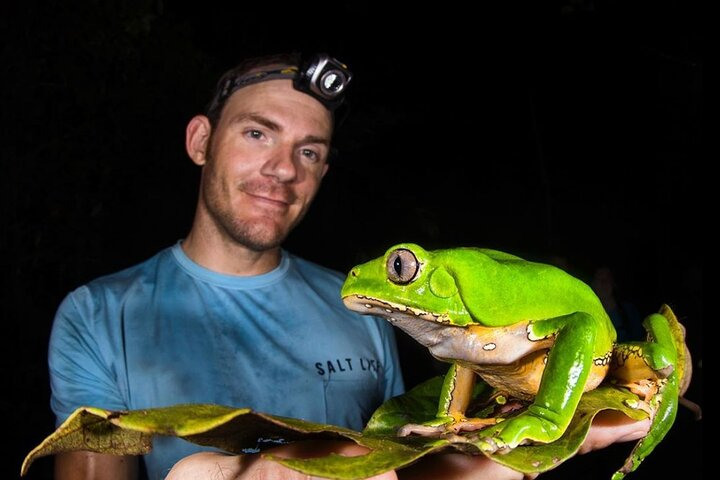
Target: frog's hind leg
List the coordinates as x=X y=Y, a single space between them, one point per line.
x=654 y=370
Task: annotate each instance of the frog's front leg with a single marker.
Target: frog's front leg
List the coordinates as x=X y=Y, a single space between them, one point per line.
x=564 y=379
x=455 y=397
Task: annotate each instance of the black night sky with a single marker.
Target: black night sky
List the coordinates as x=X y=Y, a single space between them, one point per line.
x=571 y=130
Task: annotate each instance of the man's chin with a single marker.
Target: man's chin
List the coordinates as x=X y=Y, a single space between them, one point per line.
x=260 y=241
x=260 y=247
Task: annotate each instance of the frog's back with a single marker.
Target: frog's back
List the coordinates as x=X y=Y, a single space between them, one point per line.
x=499 y=288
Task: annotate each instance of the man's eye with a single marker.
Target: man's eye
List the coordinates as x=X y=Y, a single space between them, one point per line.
x=256 y=134
x=311 y=154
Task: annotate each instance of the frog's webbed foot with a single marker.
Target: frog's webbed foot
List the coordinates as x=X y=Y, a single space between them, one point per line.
x=643 y=405
x=492 y=445
x=421 y=429
x=472 y=424
x=455 y=426
x=645 y=389
x=522 y=429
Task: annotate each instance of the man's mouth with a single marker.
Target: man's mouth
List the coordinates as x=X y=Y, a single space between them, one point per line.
x=272 y=196
x=279 y=201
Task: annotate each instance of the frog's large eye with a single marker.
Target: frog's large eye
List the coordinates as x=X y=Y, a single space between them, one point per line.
x=402 y=266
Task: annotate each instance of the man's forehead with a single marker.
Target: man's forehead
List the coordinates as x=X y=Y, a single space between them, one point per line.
x=280 y=92
x=273 y=100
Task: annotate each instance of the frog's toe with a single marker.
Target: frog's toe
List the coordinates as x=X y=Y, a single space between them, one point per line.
x=492 y=445
x=472 y=424
x=422 y=430
x=638 y=404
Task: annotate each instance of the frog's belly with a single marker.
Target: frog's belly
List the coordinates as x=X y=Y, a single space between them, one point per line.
x=522 y=378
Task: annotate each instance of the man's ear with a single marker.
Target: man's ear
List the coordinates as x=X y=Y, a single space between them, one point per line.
x=197 y=137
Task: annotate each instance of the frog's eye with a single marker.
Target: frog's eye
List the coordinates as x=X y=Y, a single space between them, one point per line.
x=402 y=266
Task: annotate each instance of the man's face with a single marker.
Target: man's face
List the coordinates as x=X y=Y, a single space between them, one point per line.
x=265 y=160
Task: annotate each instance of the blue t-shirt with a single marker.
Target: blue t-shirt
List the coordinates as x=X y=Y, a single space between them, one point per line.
x=168 y=331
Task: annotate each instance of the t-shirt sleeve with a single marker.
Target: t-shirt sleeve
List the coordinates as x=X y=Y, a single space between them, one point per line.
x=394 y=384
x=81 y=373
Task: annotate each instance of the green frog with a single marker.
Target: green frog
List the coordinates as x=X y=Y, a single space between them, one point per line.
x=530 y=330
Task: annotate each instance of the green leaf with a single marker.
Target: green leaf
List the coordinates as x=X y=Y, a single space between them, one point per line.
x=235 y=430
x=239 y=430
x=386 y=454
x=91 y=429
x=420 y=404
x=415 y=406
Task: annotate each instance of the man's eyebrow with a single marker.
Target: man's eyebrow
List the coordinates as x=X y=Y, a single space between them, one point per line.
x=267 y=123
x=257 y=118
x=314 y=139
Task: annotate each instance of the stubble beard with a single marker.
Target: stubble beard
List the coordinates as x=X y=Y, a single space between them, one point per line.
x=256 y=235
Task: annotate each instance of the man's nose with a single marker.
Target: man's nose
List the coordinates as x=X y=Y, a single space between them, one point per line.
x=281 y=164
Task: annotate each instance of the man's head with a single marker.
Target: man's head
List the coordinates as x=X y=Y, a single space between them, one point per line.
x=263 y=146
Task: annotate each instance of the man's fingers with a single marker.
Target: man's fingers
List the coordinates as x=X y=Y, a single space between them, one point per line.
x=206 y=465
x=451 y=466
x=611 y=426
x=211 y=465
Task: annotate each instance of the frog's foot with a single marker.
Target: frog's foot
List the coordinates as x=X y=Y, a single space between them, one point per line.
x=645 y=389
x=421 y=429
x=519 y=430
x=454 y=426
x=493 y=445
x=511 y=406
x=645 y=406
x=471 y=424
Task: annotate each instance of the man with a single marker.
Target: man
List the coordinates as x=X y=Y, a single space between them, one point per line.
x=226 y=316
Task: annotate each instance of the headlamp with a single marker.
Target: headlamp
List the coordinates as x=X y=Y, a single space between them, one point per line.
x=321 y=76
x=325 y=78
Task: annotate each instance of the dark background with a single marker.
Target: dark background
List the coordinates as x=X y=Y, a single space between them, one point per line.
x=571 y=130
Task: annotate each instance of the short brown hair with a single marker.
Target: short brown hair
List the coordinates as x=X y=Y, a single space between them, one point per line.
x=214 y=109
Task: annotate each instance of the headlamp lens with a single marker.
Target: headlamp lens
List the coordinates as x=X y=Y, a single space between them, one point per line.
x=332 y=83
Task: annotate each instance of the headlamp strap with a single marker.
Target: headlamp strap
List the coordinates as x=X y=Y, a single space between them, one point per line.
x=233 y=84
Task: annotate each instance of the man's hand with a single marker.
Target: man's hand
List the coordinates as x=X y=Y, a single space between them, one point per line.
x=79 y=465
x=611 y=426
x=608 y=427
x=211 y=465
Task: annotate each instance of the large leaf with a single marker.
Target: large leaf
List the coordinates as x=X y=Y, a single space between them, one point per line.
x=235 y=430
x=420 y=405
x=240 y=430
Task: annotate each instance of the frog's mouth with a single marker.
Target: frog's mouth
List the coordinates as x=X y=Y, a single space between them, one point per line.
x=475 y=344
x=428 y=328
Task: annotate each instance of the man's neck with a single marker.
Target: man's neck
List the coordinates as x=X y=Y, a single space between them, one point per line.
x=228 y=257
